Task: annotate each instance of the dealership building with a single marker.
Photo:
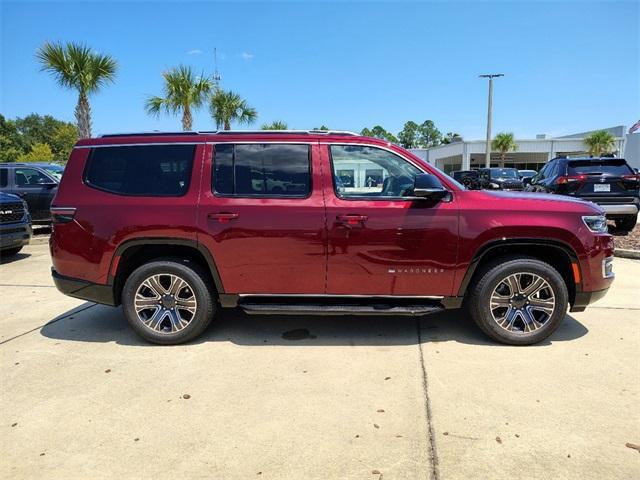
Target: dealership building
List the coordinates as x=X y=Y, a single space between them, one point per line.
x=531 y=154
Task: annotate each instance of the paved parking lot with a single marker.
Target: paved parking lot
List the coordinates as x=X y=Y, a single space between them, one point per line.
x=311 y=397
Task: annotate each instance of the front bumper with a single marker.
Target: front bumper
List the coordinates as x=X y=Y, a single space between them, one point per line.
x=14 y=235
x=583 y=299
x=84 y=290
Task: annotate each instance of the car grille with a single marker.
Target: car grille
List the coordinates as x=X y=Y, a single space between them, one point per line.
x=512 y=186
x=11 y=212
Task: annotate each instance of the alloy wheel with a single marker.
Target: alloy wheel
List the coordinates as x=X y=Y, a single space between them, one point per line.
x=522 y=302
x=165 y=303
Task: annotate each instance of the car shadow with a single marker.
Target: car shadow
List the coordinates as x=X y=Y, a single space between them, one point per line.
x=14 y=258
x=99 y=323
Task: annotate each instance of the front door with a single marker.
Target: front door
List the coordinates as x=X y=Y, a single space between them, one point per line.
x=261 y=214
x=380 y=242
x=36 y=189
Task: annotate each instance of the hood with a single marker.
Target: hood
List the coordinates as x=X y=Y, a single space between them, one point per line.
x=542 y=197
x=9 y=198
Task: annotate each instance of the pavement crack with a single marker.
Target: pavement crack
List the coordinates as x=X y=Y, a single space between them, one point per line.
x=74 y=312
x=434 y=473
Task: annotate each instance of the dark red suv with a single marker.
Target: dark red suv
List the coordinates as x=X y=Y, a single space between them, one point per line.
x=175 y=226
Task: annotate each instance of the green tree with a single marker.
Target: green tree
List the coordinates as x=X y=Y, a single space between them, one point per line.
x=11 y=144
x=59 y=135
x=379 y=132
x=275 y=125
x=451 y=137
x=77 y=67
x=599 y=143
x=39 y=152
x=183 y=91
x=227 y=107
x=409 y=137
x=504 y=142
x=323 y=127
x=429 y=135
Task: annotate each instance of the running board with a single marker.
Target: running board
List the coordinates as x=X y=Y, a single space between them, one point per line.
x=340 y=309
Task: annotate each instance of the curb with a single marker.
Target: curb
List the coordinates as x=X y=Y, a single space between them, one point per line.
x=626 y=253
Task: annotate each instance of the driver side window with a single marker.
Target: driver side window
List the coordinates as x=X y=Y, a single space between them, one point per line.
x=369 y=172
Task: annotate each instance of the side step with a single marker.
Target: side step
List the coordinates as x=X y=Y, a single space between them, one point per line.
x=338 y=309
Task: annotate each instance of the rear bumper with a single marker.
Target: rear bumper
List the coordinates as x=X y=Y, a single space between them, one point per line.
x=14 y=235
x=583 y=299
x=84 y=290
x=628 y=209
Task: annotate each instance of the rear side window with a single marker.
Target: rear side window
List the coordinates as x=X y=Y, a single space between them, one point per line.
x=145 y=170
x=4 y=177
x=263 y=170
x=605 y=167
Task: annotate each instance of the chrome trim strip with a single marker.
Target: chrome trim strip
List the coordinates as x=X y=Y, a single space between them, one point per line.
x=325 y=295
x=619 y=209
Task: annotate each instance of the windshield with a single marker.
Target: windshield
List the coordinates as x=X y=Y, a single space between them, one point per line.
x=55 y=171
x=504 y=173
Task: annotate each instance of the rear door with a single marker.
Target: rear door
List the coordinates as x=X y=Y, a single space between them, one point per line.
x=36 y=188
x=261 y=214
x=379 y=242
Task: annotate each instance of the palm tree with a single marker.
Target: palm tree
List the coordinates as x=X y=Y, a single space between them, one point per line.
x=275 y=125
x=183 y=91
x=76 y=66
x=451 y=137
x=599 y=143
x=227 y=107
x=503 y=143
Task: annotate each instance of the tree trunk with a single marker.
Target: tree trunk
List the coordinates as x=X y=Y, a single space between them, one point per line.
x=227 y=125
x=83 y=116
x=187 y=119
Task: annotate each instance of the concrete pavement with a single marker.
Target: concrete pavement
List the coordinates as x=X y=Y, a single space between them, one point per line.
x=312 y=397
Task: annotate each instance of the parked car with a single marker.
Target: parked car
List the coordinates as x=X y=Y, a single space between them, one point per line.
x=609 y=182
x=496 y=178
x=469 y=178
x=174 y=227
x=15 y=224
x=522 y=174
x=36 y=183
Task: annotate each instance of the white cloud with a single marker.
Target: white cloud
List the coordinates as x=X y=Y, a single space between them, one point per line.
x=195 y=51
x=247 y=56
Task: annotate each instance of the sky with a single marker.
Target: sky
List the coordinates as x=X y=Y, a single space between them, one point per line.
x=569 y=66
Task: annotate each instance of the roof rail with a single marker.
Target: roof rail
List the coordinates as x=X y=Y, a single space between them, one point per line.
x=229 y=132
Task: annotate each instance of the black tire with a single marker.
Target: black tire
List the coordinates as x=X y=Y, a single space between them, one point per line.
x=491 y=277
x=626 y=224
x=197 y=286
x=10 y=252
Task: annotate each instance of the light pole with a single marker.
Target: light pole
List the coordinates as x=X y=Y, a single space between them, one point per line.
x=487 y=154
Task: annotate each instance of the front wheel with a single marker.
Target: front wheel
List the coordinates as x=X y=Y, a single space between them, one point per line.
x=168 y=301
x=519 y=301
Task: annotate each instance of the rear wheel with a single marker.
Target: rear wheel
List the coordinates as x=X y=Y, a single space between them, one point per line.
x=519 y=301
x=168 y=301
x=627 y=223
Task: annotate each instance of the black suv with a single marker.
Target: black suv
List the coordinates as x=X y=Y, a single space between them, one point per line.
x=469 y=178
x=35 y=183
x=496 y=178
x=609 y=182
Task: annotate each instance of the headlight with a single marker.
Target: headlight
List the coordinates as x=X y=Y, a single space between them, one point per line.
x=494 y=185
x=596 y=223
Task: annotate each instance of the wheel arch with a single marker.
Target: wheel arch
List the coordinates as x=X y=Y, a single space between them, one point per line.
x=132 y=253
x=558 y=254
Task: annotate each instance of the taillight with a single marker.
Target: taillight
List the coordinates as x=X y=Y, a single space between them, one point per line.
x=570 y=179
x=62 y=214
x=632 y=178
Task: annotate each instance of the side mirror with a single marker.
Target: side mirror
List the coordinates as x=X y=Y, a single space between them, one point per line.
x=429 y=187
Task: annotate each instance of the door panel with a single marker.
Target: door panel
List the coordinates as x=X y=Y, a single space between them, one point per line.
x=381 y=246
x=28 y=184
x=264 y=244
